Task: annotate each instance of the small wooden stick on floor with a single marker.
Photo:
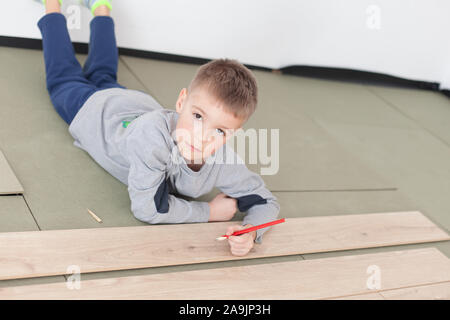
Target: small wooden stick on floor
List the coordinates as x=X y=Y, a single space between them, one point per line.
x=94 y=216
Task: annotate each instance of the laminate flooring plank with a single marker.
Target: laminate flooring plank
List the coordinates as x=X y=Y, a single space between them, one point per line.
x=437 y=291
x=364 y=296
x=308 y=279
x=45 y=253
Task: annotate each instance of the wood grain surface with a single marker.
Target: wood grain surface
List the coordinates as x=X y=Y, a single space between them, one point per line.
x=44 y=253
x=325 y=278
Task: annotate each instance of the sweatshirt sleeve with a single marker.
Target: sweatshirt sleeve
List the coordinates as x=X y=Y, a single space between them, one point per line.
x=148 y=155
x=248 y=188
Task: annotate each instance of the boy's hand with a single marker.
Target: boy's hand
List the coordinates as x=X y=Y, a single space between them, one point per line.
x=222 y=208
x=240 y=245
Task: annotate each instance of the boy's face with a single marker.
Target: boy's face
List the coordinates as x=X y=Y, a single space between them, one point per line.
x=203 y=125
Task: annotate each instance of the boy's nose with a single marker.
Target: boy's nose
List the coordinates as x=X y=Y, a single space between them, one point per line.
x=197 y=142
x=208 y=138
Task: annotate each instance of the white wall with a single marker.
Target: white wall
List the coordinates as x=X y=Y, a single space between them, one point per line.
x=403 y=38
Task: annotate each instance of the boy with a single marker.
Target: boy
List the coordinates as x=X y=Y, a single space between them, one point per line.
x=155 y=151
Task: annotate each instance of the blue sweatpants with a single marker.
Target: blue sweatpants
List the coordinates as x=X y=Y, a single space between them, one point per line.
x=69 y=85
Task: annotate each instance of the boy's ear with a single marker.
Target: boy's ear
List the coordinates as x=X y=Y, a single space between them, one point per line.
x=181 y=99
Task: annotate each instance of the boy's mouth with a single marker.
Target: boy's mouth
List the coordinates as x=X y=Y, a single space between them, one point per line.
x=193 y=148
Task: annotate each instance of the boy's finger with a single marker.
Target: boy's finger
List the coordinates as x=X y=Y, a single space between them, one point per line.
x=233 y=228
x=233 y=241
x=239 y=252
x=241 y=239
x=238 y=239
x=230 y=230
x=239 y=246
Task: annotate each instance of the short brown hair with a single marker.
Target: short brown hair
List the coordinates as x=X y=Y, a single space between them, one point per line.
x=230 y=82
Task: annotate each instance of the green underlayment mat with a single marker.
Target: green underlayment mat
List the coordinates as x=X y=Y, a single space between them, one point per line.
x=15 y=215
x=323 y=171
x=309 y=158
x=62 y=180
x=430 y=110
x=9 y=184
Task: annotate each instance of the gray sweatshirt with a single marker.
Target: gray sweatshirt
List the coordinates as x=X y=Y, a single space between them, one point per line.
x=131 y=136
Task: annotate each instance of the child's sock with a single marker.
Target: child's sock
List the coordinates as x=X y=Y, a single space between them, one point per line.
x=43 y=1
x=93 y=4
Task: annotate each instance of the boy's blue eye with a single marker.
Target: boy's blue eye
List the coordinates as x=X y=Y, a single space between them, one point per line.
x=197 y=114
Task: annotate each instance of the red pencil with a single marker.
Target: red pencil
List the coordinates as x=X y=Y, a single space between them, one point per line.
x=264 y=225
